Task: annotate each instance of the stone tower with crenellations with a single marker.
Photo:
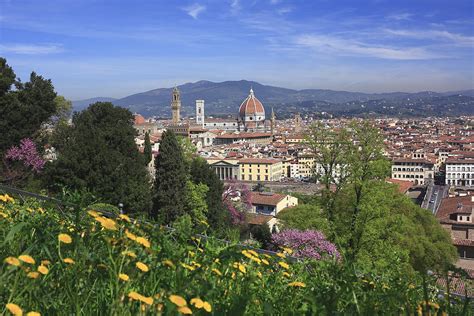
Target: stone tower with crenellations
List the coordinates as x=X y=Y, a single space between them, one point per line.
x=176 y=106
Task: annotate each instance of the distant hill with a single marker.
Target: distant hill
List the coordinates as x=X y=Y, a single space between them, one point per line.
x=82 y=104
x=225 y=97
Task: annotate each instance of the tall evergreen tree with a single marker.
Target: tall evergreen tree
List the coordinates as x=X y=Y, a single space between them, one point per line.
x=99 y=155
x=217 y=215
x=147 y=150
x=169 y=201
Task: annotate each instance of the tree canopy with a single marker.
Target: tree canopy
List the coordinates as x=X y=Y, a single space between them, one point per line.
x=99 y=154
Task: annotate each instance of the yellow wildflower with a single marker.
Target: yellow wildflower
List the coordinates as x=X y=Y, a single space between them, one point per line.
x=45 y=262
x=254 y=253
x=143 y=241
x=130 y=235
x=27 y=259
x=287 y=250
x=124 y=277
x=3 y=215
x=125 y=217
x=200 y=249
x=185 y=310
x=286 y=274
x=259 y=274
x=247 y=254
x=129 y=253
x=242 y=268
x=216 y=271
x=233 y=275
x=12 y=261
x=43 y=270
x=284 y=265
x=281 y=255
x=106 y=223
x=297 y=284
x=191 y=254
x=197 y=302
x=168 y=263
x=142 y=266
x=68 y=260
x=207 y=307
x=190 y=268
x=177 y=300
x=265 y=261
x=141 y=298
x=65 y=238
x=32 y=313
x=14 y=309
x=196 y=264
x=33 y=275
x=257 y=260
x=93 y=213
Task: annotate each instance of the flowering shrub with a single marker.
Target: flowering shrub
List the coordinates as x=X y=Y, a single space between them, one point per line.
x=84 y=263
x=237 y=200
x=306 y=244
x=27 y=153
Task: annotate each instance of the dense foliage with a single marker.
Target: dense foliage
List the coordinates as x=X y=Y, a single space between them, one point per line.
x=98 y=153
x=84 y=263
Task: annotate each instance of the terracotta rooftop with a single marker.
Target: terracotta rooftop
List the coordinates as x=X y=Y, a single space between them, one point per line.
x=450 y=205
x=266 y=198
x=403 y=186
x=258 y=219
x=244 y=135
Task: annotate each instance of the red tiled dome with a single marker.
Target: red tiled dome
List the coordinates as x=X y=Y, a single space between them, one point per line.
x=251 y=107
x=139 y=119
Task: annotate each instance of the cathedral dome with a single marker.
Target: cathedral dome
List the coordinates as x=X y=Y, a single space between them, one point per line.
x=252 y=109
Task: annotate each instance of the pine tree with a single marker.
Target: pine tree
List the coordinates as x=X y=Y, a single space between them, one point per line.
x=169 y=200
x=100 y=155
x=201 y=172
x=147 y=150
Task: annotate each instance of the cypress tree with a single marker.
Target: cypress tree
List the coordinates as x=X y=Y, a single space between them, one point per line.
x=147 y=149
x=169 y=200
x=201 y=172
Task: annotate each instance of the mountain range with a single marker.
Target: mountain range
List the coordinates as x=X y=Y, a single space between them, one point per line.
x=224 y=98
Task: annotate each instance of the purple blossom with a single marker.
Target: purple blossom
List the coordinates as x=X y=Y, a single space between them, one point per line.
x=26 y=153
x=237 y=199
x=306 y=244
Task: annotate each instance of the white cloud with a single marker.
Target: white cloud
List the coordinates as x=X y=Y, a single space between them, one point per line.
x=434 y=35
x=400 y=16
x=342 y=46
x=194 y=10
x=284 y=10
x=31 y=49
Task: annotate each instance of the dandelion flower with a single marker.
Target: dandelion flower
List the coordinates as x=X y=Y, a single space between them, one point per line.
x=65 y=238
x=197 y=302
x=168 y=263
x=242 y=268
x=130 y=235
x=297 y=284
x=141 y=298
x=93 y=213
x=284 y=265
x=265 y=261
x=68 y=260
x=125 y=217
x=129 y=253
x=143 y=241
x=142 y=266
x=32 y=313
x=185 y=310
x=33 y=275
x=216 y=271
x=177 y=300
x=186 y=266
x=286 y=274
x=13 y=261
x=106 y=223
x=14 y=309
x=124 y=277
x=253 y=253
x=207 y=307
x=45 y=262
x=43 y=270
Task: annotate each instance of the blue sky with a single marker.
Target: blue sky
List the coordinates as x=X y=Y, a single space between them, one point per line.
x=116 y=48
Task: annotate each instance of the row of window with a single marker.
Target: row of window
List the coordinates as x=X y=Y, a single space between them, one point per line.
x=453 y=168
x=460 y=175
x=408 y=176
x=409 y=169
x=461 y=182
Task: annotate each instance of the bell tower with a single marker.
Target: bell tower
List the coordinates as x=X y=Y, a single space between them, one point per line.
x=272 y=122
x=176 y=106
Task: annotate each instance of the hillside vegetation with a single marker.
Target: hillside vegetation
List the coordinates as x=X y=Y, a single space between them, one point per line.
x=84 y=263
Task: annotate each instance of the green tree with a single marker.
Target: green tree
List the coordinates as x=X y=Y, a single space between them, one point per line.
x=25 y=109
x=171 y=176
x=196 y=200
x=147 y=150
x=217 y=216
x=99 y=155
x=304 y=217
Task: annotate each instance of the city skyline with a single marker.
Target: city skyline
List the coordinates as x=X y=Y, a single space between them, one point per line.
x=91 y=48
